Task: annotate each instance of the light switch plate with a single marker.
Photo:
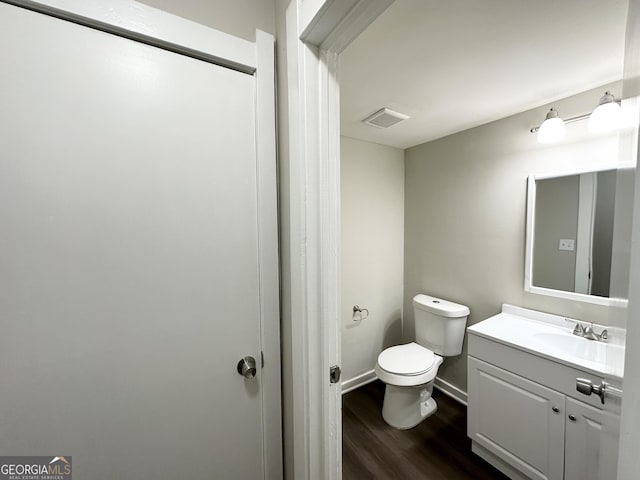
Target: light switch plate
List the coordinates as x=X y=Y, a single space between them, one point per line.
x=566 y=244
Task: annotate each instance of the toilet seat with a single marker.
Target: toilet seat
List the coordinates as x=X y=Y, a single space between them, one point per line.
x=408 y=359
x=407 y=365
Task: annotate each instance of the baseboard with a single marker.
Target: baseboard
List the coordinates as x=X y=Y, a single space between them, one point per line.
x=497 y=462
x=445 y=387
x=359 y=381
x=450 y=390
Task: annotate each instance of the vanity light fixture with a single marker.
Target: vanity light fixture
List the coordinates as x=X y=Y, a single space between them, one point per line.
x=606 y=117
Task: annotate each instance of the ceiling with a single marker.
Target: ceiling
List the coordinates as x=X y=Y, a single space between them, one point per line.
x=455 y=64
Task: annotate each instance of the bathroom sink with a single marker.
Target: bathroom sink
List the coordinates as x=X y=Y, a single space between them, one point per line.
x=567 y=344
x=550 y=336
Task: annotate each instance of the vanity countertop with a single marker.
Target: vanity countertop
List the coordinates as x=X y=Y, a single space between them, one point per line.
x=550 y=336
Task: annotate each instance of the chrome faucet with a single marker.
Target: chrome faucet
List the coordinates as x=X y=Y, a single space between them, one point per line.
x=589 y=333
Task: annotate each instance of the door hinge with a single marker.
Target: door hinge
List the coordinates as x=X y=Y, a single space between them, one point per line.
x=334 y=374
x=261 y=359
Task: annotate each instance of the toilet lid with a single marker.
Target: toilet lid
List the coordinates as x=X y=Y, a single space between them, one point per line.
x=409 y=359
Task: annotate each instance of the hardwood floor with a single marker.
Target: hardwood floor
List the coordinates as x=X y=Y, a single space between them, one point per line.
x=438 y=448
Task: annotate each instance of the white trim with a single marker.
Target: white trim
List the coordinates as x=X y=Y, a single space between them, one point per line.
x=359 y=381
x=267 y=184
x=577 y=171
x=306 y=367
x=330 y=257
x=531 y=214
x=148 y=25
x=451 y=390
x=578 y=297
x=361 y=15
x=323 y=20
x=314 y=202
x=337 y=24
x=313 y=152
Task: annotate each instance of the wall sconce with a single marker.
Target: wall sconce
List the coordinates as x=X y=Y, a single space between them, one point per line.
x=604 y=118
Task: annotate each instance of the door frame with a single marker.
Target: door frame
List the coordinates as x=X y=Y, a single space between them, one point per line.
x=316 y=32
x=139 y=22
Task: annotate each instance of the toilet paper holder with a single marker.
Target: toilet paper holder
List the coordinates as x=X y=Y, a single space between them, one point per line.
x=363 y=313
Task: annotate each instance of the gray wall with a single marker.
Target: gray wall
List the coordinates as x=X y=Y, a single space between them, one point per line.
x=557 y=201
x=372 y=249
x=235 y=17
x=465 y=207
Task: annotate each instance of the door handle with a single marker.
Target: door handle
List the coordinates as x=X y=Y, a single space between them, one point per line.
x=247 y=367
x=586 y=387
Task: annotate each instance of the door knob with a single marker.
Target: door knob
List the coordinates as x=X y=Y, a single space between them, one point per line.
x=247 y=367
x=586 y=387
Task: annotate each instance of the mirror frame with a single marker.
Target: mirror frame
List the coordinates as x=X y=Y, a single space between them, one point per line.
x=529 y=234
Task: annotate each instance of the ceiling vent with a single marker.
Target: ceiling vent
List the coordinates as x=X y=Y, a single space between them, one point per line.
x=384 y=118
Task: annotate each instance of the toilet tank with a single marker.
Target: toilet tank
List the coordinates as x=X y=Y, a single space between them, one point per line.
x=439 y=324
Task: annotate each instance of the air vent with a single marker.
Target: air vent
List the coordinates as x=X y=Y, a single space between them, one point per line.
x=384 y=118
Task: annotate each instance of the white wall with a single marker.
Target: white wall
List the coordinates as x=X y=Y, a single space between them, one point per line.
x=372 y=210
x=235 y=17
x=465 y=204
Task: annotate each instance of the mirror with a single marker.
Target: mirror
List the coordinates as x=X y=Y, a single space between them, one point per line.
x=570 y=235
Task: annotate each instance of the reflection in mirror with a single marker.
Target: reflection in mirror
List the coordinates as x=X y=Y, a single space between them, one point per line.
x=570 y=235
x=574 y=232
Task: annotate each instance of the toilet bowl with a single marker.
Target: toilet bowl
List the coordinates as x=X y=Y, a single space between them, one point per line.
x=409 y=370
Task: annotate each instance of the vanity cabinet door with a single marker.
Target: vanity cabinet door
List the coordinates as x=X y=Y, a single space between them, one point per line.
x=520 y=421
x=584 y=428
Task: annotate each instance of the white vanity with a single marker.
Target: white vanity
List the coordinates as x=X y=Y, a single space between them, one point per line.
x=525 y=415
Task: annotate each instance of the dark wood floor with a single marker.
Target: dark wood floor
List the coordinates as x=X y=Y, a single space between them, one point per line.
x=438 y=448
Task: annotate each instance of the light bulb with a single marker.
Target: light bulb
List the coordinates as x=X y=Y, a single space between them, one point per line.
x=552 y=129
x=605 y=118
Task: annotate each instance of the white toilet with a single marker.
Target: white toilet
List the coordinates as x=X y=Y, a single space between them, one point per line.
x=409 y=370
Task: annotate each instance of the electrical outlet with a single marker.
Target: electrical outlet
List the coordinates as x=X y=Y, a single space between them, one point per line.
x=566 y=244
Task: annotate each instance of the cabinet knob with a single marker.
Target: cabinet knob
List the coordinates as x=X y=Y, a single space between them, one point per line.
x=555 y=409
x=572 y=417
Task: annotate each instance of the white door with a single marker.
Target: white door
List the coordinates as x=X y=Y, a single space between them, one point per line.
x=129 y=276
